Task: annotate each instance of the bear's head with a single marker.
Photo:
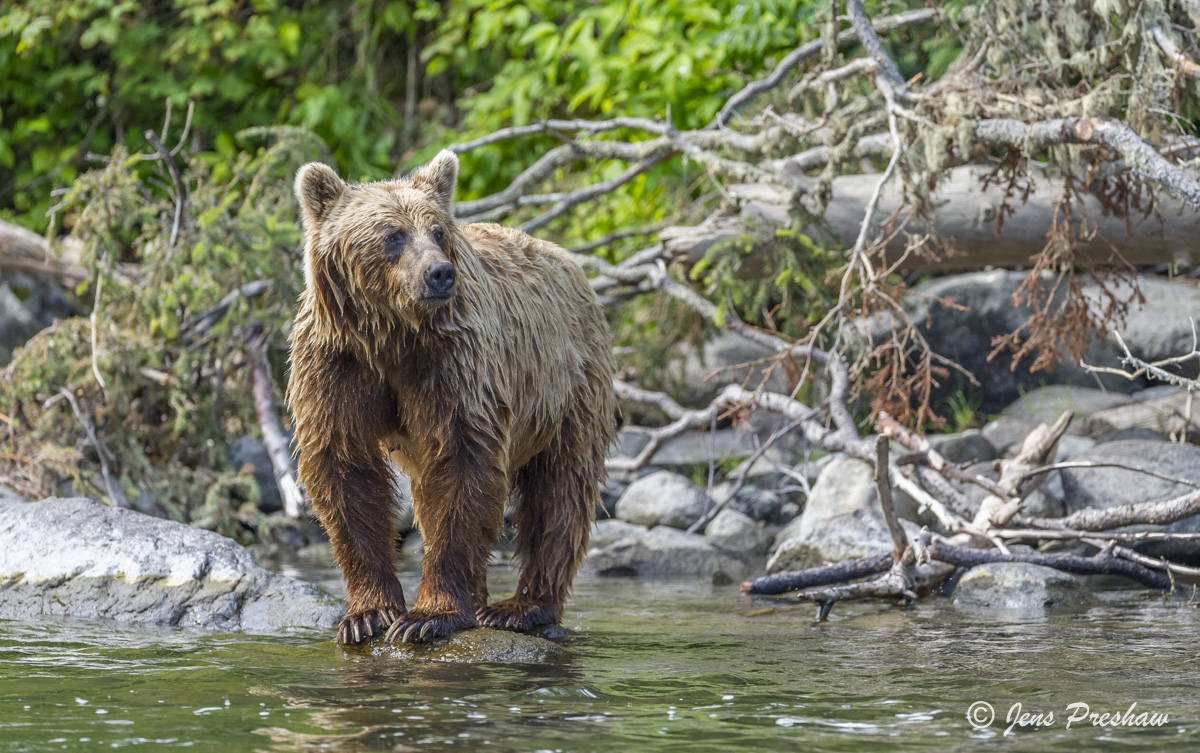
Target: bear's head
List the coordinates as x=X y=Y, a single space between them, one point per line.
x=384 y=253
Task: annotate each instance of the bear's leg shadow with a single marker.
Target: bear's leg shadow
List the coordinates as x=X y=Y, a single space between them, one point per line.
x=458 y=501
x=355 y=504
x=557 y=498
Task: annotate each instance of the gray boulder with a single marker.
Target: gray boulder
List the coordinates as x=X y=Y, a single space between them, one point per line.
x=835 y=539
x=666 y=552
x=758 y=504
x=739 y=533
x=1162 y=326
x=842 y=520
x=28 y=304
x=478 y=645
x=965 y=447
x=78 y=558
x=249 y=450
x=1044 y=406
x=1110 y=487
x=605 y=532
x=1021 y=587
x=662 y=498
x=847 y=486
x=966 y=337
x=719 y=354
x=695 y=448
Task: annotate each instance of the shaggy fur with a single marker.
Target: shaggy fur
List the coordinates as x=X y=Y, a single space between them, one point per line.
x=502 y=389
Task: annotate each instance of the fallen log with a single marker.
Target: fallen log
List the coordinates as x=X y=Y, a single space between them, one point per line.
x=968 y=217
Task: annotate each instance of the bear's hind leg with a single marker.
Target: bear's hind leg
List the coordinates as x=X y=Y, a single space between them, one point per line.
x=555 y=508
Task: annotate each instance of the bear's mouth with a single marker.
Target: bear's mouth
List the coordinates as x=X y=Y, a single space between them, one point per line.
x=435 y=300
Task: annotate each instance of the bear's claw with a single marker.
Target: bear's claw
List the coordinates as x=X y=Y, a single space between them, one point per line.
x=356 y=627
x=419 y=626
x=514 y=614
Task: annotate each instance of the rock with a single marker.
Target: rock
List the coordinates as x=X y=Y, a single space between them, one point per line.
x=965 y=447
x=605 y=532
x=737 y=532
x=1044 y=406
x=1137 y=432
x=724 y=350
x=1109 y=487
x=847 y=486
x=249 y=450
x=835 y=539
x=1162 y=326
x=665 y=552
x=474 y=646
x=1169 y=414
x=1070 y=446
x=691 y=448
x=78 y=558
x=17 y=325
x=662 y=498
x=1020 y=586
x=28 y=304
x=841 y=520
x=758 y=504
x=966 y=338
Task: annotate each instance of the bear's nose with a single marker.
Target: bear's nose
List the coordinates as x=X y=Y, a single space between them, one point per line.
x=440 y=278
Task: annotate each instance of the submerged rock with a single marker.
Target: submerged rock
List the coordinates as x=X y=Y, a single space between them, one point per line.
x=1021 y=586
x=475 y=646
x=78 y=558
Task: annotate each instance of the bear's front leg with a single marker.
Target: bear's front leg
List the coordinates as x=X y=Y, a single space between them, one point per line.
x=354 y=503
x=458 y=501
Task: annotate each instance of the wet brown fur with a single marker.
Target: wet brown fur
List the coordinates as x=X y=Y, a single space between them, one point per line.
x=504 y=390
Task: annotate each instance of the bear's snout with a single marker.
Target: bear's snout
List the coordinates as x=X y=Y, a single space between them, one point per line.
x=439 y=279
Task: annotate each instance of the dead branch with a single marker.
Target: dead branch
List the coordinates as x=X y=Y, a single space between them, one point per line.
x=1159 y=513
x=294 y=503
x=808 y=50
x=1017 y=481
x=883 y=486
x=1100 y=564
x=25 y=251
x=894 y=586
x=1172 y=51
x=176 y=178
x=838 y=572
x=197 y=326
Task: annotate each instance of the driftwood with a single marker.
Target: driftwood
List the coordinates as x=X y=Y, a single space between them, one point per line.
x=1171 y=415
x=1017 y=480
x=22 y=250
x=967 y=217
x=294 y=503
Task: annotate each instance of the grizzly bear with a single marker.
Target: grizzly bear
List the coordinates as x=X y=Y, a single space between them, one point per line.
x=479 y=359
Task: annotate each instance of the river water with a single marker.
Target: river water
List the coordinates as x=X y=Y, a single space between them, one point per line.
x=656 y=666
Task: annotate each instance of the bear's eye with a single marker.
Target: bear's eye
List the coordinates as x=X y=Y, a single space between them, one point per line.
x=439 y=236
x=393 y=241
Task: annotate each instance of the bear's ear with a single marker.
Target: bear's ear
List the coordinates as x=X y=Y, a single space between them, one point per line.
x=318 y=189
x=439 y=178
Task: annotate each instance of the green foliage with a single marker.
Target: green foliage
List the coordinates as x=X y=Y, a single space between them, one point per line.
x=162 y=397
x=786 y=287
x=961 y=410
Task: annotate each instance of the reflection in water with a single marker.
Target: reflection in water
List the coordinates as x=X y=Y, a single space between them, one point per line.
x=654 y=667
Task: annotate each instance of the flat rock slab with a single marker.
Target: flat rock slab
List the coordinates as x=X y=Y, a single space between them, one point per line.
x=477 y=645
x=79 y=558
